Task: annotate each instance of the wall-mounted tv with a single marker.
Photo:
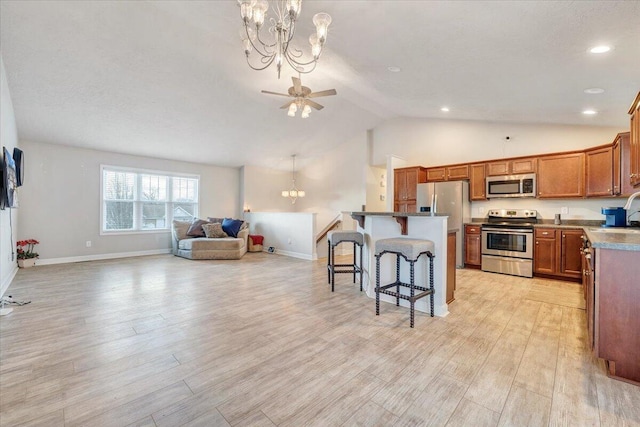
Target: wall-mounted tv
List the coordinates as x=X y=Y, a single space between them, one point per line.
x=9 y=181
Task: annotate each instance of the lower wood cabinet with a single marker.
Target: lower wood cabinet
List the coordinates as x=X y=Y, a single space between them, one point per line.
x=557 y=252
x=472 y=246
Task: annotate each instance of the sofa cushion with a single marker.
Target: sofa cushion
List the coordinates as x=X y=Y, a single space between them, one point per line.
x=180 y=229
x=214 y=230
x=203 y=244
x=232 y=226
x=196 y=228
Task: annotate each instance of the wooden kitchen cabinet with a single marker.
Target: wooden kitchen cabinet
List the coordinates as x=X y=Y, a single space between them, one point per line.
x=512 y=167
x=570 y=254
x=622 y=165
x=405 y=187
x=472 y=246
x=477 y=185
x=545 y=259
x=634 y=142
x=557 y=252
x=561 y=176
x=599 y=171
x=448 y=173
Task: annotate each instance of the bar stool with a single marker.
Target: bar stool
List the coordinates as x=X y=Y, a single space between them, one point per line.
x=410 y=250
x=334 y=238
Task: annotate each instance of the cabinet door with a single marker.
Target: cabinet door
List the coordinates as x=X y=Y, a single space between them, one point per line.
x=561 y=176
x=545 y=255
x=456 y=173
x=411 y=185
x=477 y=184
x=399 y=185
x=599 y=172
x=498 y=168
x=472 y=245
x=570 y=257
x=524 y=165
x=634 y=173
x=617 y=166
x=590 y=297
x=436 y=174
x=623 y=141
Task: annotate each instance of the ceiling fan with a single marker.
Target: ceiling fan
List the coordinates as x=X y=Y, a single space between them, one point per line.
x=301 y=98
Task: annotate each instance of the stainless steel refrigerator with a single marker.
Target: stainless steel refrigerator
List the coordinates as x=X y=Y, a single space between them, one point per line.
x=448 y=198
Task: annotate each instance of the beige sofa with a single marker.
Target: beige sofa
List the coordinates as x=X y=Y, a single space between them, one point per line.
x=206 y=248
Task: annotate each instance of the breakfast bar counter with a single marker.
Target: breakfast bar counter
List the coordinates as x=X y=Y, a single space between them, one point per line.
x=384 y=225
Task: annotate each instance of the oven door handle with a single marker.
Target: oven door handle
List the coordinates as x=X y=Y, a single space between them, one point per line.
x=508 y=230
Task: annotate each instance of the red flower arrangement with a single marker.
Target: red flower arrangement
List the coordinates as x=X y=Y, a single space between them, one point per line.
x=29 y=245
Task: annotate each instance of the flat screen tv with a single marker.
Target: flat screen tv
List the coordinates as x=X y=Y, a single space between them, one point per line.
x=9 y=182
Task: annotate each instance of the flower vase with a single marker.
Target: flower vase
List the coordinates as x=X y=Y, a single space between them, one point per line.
x=26 y=263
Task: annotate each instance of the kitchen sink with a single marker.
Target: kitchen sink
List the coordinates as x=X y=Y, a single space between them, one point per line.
x=618 y=230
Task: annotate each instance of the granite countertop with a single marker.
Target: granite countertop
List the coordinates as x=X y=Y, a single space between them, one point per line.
x=620 y=239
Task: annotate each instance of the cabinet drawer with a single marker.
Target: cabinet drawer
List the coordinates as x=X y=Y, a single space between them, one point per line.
x=472 y=229
x=545 y=233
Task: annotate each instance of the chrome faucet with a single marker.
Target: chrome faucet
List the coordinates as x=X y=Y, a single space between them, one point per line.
x=627 y=205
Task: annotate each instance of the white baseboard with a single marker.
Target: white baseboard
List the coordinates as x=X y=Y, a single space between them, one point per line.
x=294 y=255
x=5 y=285
x=98 y=257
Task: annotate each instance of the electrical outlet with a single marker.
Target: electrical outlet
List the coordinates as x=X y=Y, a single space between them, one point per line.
x=480 y=210
x=564 y=210
x=289 y=241
x=88 y=243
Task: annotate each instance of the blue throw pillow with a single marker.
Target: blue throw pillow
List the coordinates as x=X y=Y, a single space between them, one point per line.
x=231 y=226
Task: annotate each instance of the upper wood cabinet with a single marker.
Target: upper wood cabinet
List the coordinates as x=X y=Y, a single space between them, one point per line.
x=561 y=176
x=512 y=167
x=477 y=187
x=634 y=140
x=448 y=173
x=405 y=186
x=622 y=165
x=599 y=172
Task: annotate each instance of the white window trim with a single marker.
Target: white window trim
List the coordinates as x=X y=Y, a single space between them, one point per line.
x=168 y=174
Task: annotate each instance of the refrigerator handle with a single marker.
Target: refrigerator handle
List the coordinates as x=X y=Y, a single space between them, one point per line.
x=435 y=204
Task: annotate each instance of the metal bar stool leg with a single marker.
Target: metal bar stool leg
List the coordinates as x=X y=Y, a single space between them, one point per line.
x=431 y=281
x=361 y=247
x=378 y=285
x=397 y=280
x=412 y=293
x=328 y=261
x=354 y=262
x=333 y=267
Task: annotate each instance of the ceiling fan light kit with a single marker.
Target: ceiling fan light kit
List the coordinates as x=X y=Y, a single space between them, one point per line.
x=301 y=98
x=274 y=46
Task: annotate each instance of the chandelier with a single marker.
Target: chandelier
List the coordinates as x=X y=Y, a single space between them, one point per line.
x=293 y=193
x=274 y=46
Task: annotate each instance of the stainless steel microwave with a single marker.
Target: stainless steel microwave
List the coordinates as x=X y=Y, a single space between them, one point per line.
x=511 y=186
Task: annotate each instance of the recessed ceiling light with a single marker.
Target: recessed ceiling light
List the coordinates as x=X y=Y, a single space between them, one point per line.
x=594 y=90
x=600 y=49
x=589 y=112
x=394 y=69
x=445 y=109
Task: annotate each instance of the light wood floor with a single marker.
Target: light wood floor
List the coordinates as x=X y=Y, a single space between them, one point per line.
x=164 y=341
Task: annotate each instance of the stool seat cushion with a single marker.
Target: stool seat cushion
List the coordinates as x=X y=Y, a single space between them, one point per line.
x=336 y=237
x=410 y=248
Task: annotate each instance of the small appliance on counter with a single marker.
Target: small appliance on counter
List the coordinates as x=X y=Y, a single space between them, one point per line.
x=615 y=217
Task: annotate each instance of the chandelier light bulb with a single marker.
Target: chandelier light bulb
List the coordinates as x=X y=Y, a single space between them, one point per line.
x=321 y=21
x=276 y=43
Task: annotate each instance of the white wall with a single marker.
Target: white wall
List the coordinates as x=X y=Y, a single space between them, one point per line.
x=262 y=188
x=336 y=181
x=290 y=233
x=60 y=203
x=9 y=139
x=376 y=188
x=429 y=142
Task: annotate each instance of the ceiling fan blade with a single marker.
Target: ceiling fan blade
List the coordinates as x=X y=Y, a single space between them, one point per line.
x=297 y=84
x=313 y=104
x=322 y=93
x=287 y=104
x=275 y=93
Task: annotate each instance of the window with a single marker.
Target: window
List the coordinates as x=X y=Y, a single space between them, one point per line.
x=138 y=200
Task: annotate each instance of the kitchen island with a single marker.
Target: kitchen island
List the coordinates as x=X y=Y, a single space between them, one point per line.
x=384 y=225
x=612 y=292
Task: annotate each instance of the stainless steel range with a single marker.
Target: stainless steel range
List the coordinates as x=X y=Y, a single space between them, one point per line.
x=507 y=242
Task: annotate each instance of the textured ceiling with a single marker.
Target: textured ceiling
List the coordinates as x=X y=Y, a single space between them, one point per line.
x=169 y=79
